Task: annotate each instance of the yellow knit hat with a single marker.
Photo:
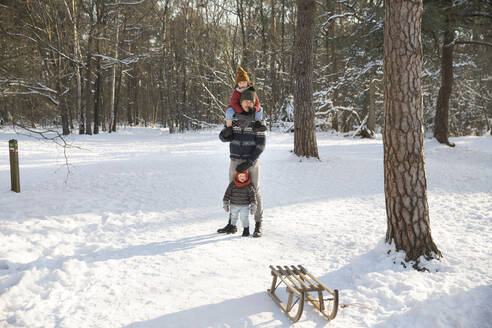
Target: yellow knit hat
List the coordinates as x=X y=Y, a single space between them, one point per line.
x=242 y=75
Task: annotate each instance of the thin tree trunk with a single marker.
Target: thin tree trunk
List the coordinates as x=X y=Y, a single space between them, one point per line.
x=241 y=14
x=78 y=56
x=304 y=127
x=97 y=96
x=88 y=82
x=136 y=89
x=273 y=65
x=129 y=100
x=441 y=121
x=405 y=185
x=371 y=113
x=117 y=100
x=62 y=106
x=334 y=119
x=100 y=9
x=112 y=107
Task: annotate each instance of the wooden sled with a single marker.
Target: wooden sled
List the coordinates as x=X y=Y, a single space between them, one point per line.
x=299 y=283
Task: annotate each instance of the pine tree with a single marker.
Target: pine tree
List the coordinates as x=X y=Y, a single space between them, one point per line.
x=304 y=126
x=403 y=139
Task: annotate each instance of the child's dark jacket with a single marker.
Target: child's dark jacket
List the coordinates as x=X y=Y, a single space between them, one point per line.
x=243 y=196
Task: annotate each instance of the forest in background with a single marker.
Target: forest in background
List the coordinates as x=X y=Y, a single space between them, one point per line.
x=88 y=66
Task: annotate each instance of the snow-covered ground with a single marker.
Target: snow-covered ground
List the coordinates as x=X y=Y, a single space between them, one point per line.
x=128 y=238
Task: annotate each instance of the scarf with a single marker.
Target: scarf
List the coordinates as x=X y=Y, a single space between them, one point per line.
x=242 y=184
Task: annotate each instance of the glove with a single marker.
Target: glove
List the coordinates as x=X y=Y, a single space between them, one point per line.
x=252 y=209
x=227 y=134
x=226 y=206
x=259 y=127
x=244 y=166
x=250 y=111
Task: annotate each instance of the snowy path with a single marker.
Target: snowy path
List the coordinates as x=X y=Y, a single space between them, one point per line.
x=128 y=240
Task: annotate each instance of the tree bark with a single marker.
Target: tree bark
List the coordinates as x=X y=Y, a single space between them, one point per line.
x=100 y=12
x=97 y=97
x=112 y=107
x=441 y=121
x=334 y=60
x=78 y=56
x=304 y=127
x=129 y=99
x=88 y=79
x=273 y=66
x=405 y=185
x=241 y=13
x=371 y=114
x=62 y=106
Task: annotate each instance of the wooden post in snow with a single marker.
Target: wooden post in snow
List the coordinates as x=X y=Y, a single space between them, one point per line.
x=14 y=165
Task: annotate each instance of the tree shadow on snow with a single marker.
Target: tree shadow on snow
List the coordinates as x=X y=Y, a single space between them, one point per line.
x=237 y=312
x=92 y=256
x=155 y=248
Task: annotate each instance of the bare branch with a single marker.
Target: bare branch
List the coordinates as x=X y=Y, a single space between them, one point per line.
x=58 y=139
x=124 y=3
x=482 y=43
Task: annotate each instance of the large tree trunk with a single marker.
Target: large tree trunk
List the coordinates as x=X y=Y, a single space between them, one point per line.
x=403 y=138
x=441 y=121
x=304 y=126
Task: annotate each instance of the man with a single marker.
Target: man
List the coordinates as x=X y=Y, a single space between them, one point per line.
x=246 y=145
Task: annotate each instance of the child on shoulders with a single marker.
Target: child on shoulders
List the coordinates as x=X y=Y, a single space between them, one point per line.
x=243 y=83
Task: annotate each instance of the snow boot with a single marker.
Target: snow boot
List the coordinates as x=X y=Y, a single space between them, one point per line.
x=258 y=231
x=232 y=229
x=224 y=229
x=245 y=232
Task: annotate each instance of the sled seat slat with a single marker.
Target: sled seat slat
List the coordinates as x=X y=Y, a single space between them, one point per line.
x=302 y=279
x=299 y=283
x=316 y=280
x=291 y=287
x=311 y=282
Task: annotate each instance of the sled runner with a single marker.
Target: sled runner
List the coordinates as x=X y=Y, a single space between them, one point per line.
x=299 y=284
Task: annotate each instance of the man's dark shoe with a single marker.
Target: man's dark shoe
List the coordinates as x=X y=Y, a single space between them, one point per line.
x=245 y=232
x=258 y=231
x=224 y=229
x=231 y=229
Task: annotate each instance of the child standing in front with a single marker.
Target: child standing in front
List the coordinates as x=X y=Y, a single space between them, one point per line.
x=239 y=198
x=243 y=83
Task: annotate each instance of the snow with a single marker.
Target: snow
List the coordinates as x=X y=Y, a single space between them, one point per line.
x=128 y=239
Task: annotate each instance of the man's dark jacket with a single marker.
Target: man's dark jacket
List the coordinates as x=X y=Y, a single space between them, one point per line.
x=245 y=143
